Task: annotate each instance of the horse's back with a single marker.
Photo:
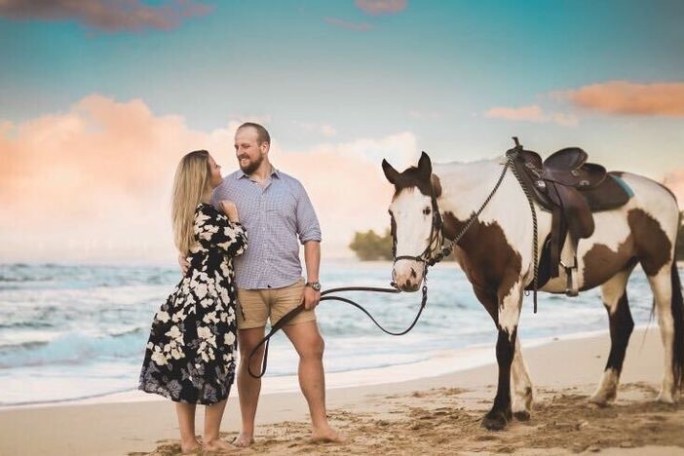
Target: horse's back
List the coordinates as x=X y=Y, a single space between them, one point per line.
x=644 y=229
x=653 y=199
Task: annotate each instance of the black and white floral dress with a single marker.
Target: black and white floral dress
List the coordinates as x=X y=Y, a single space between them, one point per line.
x=190 y=355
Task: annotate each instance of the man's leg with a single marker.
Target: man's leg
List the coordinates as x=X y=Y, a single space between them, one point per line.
x=309 y=345
x=248 y=386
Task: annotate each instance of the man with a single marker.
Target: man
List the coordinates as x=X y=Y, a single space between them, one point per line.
x=276 y=210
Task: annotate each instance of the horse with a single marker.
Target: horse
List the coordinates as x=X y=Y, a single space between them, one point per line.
x=492 y=240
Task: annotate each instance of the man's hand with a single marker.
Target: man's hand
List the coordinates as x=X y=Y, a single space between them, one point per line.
x=183 y=263
x=311 y=298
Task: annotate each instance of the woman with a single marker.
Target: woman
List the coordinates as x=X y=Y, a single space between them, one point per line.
x=190 y=355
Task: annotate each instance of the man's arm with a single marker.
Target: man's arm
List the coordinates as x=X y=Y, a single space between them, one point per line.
x=312 y=259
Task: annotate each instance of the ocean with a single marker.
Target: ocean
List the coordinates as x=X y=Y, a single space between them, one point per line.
x=72 y=332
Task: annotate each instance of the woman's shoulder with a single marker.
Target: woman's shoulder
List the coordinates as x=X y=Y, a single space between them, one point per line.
x=206 y=210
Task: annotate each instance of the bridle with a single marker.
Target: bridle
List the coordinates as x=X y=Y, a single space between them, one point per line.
x=430 y=256
x=434 y=252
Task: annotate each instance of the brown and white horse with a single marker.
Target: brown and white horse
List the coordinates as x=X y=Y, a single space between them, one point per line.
x=433 y=204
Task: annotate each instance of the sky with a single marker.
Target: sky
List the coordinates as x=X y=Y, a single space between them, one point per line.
x=100 y=99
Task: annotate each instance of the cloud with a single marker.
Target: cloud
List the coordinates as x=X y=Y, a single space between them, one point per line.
x=358 y=26
x=377 y=7
x=531 y=113
x=105 y=15
x=622 y=97
x=94 y=183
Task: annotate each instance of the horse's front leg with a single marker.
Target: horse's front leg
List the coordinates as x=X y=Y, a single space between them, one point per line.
x=523 y=392
x=508 y=316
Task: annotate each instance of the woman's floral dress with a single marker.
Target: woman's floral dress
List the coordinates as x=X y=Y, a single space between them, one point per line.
x=190 y=355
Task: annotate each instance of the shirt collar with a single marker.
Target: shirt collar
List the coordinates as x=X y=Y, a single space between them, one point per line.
x=274 y=173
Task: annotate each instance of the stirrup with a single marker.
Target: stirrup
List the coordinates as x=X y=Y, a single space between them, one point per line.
x=571 y=286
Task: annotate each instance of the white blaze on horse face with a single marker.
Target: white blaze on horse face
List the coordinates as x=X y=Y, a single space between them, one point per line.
x=412 y=213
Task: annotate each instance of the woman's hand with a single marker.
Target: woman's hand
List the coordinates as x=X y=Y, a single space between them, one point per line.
x=228 y=207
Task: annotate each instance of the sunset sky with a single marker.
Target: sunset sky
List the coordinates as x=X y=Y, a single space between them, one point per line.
x=99 y=100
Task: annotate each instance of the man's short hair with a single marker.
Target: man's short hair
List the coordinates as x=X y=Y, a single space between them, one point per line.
x=262 y=133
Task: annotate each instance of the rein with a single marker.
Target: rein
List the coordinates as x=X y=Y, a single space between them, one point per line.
x=430 y=258
x=326 y=296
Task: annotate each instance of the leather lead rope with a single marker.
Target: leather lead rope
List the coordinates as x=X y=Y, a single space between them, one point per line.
x=326 y=296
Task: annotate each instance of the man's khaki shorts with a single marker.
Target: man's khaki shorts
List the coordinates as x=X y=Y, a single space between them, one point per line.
x=255 y=307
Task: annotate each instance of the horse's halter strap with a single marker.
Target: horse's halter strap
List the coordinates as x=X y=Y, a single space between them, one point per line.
x=429 y=257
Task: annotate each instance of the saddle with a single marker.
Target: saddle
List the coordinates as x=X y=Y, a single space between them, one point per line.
x=572 y=190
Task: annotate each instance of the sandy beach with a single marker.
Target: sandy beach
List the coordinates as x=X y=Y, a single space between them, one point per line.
x=437 y=415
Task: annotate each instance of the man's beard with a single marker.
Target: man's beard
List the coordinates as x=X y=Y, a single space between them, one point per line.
x=252 y=165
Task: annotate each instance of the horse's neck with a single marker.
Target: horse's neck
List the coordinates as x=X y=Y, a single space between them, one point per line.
x=465 y=186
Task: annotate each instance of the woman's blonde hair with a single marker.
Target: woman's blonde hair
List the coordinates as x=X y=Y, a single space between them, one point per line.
x=190 y=184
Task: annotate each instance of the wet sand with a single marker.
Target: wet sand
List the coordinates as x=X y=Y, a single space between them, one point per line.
x=437 y=415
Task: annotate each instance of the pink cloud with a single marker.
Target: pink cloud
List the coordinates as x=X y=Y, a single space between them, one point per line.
x=531 y=113
x=622 y=97
x=94 y=183
x=377 y=7
x=105 y=15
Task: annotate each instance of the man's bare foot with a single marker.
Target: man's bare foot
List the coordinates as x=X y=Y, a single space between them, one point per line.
x=191 y=447
x=328 y=435
x=218 y=445
x=243 y=441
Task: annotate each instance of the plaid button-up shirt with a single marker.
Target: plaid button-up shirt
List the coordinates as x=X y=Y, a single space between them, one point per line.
x=276 y=217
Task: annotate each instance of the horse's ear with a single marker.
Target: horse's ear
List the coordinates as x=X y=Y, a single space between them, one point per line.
x=436 y=186
x=425 y=166
x=390 y=173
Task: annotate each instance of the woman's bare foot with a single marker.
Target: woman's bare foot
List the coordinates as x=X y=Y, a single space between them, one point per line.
x=327 y=435
x=218 y=445
x=190 y=447
x=243 y=441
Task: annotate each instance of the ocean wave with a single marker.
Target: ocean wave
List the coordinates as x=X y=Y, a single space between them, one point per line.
x=75 y=349
x=12 y=347
x=129 y=332
x=25 y=325
x=19 y=275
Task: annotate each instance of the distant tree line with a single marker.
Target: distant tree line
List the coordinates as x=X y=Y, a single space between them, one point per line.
x=370 y=246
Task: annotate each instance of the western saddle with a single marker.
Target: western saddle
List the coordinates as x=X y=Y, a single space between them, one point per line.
x=572 y=190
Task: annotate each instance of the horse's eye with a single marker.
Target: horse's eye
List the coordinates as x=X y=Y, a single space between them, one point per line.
x=389 y=211
x=426 y=211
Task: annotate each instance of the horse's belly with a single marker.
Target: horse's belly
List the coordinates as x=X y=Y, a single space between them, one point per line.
x=608 y=251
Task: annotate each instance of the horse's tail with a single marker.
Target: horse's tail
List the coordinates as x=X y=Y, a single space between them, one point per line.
x=678 y=316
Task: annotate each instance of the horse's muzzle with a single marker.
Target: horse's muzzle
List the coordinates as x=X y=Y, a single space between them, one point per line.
x=407 y=275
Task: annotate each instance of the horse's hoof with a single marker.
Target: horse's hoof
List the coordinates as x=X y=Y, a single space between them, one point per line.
x=665 y=398
x=523 y=415
x=495 y=421
x=599 y=401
